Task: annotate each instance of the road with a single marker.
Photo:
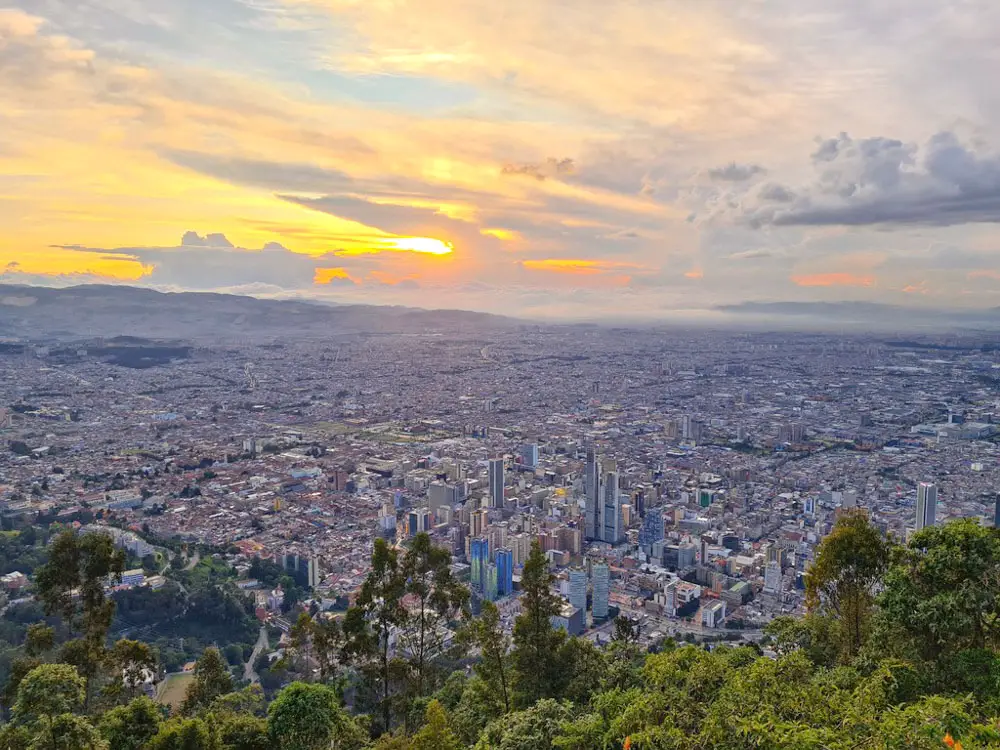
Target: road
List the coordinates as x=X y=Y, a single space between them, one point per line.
x=195 y=559
x=248 y=673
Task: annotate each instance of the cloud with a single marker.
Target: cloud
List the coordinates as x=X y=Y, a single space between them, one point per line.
x=273 y=175
x=549 y=168
x=884 y=181
x=211 y=262
x=734 y=172
x=584 y=267
x=833 y=279
x=750 y=255
x=217 y=239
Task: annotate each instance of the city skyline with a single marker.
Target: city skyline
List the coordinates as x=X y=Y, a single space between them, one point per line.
x=658 y=158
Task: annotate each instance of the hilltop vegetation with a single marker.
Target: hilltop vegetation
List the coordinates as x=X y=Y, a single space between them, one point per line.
x=898 y=650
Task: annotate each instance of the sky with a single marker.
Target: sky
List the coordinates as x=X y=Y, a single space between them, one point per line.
x=550 y=159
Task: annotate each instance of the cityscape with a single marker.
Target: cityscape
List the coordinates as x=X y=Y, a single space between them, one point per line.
x=682 y=479
x=520 y=375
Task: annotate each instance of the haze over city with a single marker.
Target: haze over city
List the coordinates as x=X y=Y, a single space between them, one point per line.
x=544 y=159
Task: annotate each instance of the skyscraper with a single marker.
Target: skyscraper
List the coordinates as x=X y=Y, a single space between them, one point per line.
x=505 y=572
x=578 y=588
x=479 y=553
x=772 y=577
x=491 y=589
x=602 y=590
x=926 y=505
x=653 y=529
x=496 y=482
x=529 y=455
x=591 y=492
x=611 y=528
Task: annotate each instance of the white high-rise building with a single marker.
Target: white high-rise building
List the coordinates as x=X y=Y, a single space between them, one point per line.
x=578 y=588
x=602 y=590
x=926 y=505
x=496 y=482
x=772 y=578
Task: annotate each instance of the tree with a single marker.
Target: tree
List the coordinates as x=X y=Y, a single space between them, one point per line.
x=80 y=565
x=816 y=635
x=943 y=589
x=627 y=630
x=369 y=625
x=211 y=679
x=46 y=699
x=436 y=733
x=493 y=643
x=131 y=664
x=71 y=584
x=300 y=644
x=131 y=726
x=582 y=670
x=47 y=691
x=536 y=642
x=39 y=639
x=327 y=639
x=439 y=597
x=88 y=656
x=69 y=732
x=841 y=582
x=243 y=732
x=309 y=717
x=532 y=729
x=186 y=734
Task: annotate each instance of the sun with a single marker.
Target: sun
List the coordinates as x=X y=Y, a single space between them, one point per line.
x=427 y=245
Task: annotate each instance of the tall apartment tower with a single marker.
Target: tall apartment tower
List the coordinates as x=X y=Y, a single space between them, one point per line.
x=611 y=527
x=926 y=505
x=578 y=588
x=496 y=482
x=591 y=492
x=602 y=590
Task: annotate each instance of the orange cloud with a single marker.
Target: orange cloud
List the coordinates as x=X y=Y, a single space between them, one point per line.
x=833 y=279
x=695 y=273
x=328 y=275
x=983 y=273
x=577 y=266
x=506 y=235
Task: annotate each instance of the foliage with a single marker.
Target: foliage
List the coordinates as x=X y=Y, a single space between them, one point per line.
x=131 y=726
x=369 y=625
x=309 y=717
x=943 y=590
x=493 y=643
x=438 y=597
x=891 y=661
x=536 y=643
x=211 y=680
x=436 y=733
x=841 y=581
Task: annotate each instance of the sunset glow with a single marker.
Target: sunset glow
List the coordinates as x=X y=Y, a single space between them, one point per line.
x=698 y=155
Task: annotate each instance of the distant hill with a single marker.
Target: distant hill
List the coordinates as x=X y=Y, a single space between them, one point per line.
x=869 y=315
x=108 y=311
